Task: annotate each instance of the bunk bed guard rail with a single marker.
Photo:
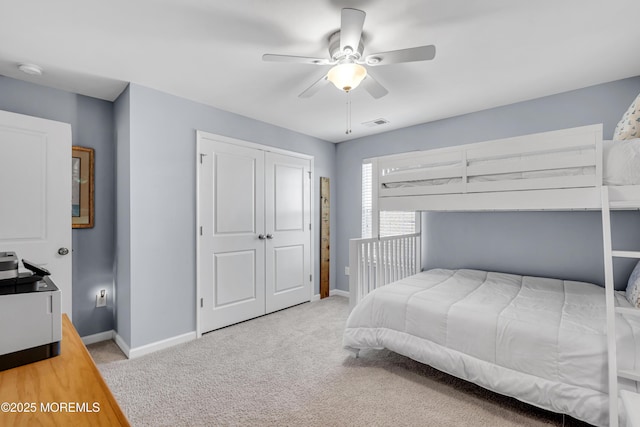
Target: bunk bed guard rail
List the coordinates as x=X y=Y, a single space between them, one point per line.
x=567 y=158
x=376 y=262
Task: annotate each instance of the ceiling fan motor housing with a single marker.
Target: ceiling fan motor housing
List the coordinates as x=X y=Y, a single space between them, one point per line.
x=337 y=54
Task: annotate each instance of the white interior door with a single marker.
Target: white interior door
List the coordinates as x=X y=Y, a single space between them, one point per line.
x=35 y=195
x=288 y=227
x=231 y=245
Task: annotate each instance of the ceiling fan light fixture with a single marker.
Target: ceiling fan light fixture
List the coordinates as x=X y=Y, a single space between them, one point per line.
x=347 y=76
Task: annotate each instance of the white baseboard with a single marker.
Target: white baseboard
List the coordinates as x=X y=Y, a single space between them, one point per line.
x=332 y=292
x=339 y=292
x=132 y=353
x=123 y=345
x=161 y=345
x=99 y=337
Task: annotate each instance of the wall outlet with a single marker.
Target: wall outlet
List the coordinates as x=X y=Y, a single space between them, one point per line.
x=346 y=271
x=101 y=298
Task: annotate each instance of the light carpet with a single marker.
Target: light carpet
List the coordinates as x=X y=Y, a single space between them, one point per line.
x=289 y=369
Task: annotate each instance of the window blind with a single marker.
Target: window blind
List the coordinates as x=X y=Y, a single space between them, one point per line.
x=367 y=201
x=392 y=223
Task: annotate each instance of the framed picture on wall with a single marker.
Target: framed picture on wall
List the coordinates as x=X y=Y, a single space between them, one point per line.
x=82 y=187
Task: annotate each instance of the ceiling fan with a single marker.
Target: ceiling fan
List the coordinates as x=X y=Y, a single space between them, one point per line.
x=345 y=49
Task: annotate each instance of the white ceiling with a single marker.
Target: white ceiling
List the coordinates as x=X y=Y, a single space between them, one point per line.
x=489 y=53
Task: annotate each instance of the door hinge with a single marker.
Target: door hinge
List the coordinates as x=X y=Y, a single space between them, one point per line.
x=309 y=172
x=201 y=302
x=310 y=278
x=202 y=155
x=201 y=232
x=309 y=226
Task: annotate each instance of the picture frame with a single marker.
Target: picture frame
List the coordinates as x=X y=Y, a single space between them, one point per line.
x=82 y=187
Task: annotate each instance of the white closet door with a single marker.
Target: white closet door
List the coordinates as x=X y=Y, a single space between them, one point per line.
x=35 y=195
x=231 y=264
x=287 y=215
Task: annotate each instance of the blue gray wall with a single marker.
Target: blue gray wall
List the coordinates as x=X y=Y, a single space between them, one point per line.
x=559 y=244
x=161 y=196
x=566 y=245
x=155 y=197
x=122 y=261
x=93 y=249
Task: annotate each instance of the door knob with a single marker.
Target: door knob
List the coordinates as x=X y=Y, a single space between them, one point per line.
x=269 y=236
x=63 y=251
x=261 y=236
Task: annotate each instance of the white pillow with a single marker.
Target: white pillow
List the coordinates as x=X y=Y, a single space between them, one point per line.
x=621 y=162
x=633 y=287
x=629 y=126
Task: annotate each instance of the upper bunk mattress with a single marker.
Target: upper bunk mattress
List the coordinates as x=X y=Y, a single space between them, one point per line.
x=540 y=340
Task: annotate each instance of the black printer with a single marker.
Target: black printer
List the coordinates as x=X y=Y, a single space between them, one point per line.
x=30 y=313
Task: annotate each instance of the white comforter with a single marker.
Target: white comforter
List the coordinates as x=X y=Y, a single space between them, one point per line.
x=540 y=340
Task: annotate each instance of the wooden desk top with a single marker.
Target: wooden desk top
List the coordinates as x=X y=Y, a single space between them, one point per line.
x=66 y=390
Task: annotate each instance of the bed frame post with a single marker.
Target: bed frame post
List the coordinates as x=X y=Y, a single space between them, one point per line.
x=354 y=351
x=610 y=308
x=354 y=272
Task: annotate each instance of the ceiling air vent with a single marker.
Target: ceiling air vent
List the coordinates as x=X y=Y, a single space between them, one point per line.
x=376 y=122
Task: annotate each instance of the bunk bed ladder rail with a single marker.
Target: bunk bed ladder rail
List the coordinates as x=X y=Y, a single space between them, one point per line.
x=377 y=262
x=612 y=310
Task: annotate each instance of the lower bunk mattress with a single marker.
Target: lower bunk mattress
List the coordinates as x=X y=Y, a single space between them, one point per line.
x=540 y=340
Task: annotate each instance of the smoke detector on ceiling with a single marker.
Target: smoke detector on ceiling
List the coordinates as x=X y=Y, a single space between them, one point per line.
x=31 y=69
x=376 y=122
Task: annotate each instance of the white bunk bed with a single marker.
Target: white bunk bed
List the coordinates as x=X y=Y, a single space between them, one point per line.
x=418 y=316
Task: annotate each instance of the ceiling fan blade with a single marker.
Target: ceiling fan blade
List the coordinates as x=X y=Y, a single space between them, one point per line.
x=314 y=88
x=296 y=59
x=351 y=28
x=374 y=88
x=421 y=53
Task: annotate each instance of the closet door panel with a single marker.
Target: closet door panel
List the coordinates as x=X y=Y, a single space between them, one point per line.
x=289 y=212
x=287 y=219
x=237 y=268
x=235 y=194
x=288 y=267
x=231 y=191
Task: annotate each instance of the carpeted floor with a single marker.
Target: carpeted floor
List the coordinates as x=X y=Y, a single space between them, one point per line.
x=288 y=368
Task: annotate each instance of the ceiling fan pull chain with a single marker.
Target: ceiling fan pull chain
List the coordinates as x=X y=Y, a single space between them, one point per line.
x=348 y=131
x=346 y=111
x=349 y=96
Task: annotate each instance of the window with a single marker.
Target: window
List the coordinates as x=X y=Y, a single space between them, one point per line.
x=367 y=201
x=392 y=223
